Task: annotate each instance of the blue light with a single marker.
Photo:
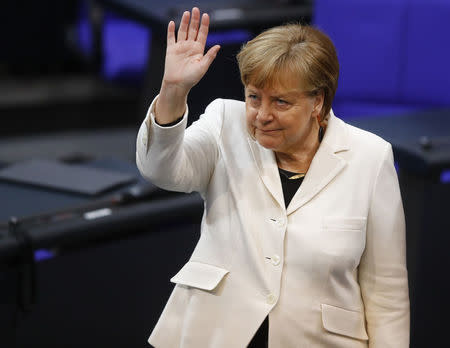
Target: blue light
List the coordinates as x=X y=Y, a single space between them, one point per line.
x=125 y=48
x=43 y=254
x=84 y=30
x=85 y=37
x=445 y=176
x=228 y=37
x=396 y=166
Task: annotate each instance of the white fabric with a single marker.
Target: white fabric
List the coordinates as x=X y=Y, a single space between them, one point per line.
x=330 y=270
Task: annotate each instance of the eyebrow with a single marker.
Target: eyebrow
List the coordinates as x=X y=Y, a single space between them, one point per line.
x=287 y=94
x=281 y=95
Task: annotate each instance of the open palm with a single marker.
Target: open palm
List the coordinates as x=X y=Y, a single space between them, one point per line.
x=186 y=62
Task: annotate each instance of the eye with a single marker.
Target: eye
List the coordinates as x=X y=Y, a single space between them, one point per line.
x=253 y=99
x=282 y=102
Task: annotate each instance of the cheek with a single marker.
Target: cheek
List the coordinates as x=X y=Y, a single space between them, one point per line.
x=250 y=115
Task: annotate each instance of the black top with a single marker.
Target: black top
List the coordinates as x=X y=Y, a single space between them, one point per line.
x=290 y=182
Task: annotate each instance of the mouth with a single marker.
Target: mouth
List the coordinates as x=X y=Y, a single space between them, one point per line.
x=267 y=131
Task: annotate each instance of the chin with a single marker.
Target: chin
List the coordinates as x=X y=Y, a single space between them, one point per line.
x=266 y=143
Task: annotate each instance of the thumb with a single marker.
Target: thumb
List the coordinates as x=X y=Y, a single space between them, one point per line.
x=209 y=57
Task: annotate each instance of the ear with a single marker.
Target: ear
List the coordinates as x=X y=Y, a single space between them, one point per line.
x=318 y=105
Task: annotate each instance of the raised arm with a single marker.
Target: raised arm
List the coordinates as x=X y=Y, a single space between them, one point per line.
x=171 y=157
x=185 y=64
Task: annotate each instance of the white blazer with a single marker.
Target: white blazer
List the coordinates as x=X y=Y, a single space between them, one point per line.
x=329 y=270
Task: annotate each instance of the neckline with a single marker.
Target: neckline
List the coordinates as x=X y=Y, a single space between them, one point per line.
x=291 y=175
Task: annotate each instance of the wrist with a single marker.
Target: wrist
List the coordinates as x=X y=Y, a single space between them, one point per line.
x=171 y=104
x=174 y=91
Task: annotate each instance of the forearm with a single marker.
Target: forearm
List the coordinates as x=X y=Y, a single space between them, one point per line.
x=158 y=149
x=171 y=103
x=177 y=160
x=387 y=308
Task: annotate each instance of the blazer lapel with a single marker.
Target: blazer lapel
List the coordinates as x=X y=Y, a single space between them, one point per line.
x=325 y=165
x=268 y=170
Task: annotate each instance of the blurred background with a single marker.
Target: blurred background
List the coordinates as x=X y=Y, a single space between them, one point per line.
x=90 y=266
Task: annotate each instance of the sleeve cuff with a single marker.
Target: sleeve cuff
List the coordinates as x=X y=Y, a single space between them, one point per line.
x=151 y=120
x=178 y=120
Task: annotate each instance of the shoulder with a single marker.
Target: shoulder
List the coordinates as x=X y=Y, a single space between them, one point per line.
x=357 y=139
x=221 y=109
x=229 y=113
x=365 y=139
x=220 y=115
x=225 y=106
x=357 y=145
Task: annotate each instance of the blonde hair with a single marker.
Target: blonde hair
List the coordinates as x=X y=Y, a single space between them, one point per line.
x=292 y=51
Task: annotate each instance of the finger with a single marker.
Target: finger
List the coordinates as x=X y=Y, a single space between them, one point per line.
x=203 y=31
x=171 y=33
x=193 y=27
x=182 y=30
x=209 y=57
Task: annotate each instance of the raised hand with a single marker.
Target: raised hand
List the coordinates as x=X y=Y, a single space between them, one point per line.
x=185 y=63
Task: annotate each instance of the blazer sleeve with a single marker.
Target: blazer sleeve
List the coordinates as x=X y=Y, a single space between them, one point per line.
x=179 y=159
x=382 y=273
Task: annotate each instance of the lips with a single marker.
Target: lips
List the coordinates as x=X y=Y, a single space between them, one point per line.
x=267 y=130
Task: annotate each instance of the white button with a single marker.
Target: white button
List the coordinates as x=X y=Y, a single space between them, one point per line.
x=275 y=260
x=271 y=299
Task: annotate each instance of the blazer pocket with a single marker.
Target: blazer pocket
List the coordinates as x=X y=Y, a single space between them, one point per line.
x=343 y=236
x=344 y=322
x=344 y=223
x=199 y=275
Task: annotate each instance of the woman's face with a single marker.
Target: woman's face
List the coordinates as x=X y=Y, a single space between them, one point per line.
x=282 y=118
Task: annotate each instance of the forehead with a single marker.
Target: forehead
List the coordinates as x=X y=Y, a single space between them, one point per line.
x=281 y=82
x=275 y=91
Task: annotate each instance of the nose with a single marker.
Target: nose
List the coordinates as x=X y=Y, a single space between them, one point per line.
x=264 y=114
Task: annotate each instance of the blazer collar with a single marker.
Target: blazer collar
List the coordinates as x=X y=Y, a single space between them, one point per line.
x=325 y=165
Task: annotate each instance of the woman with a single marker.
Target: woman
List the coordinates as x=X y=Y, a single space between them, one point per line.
x=302 y=238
